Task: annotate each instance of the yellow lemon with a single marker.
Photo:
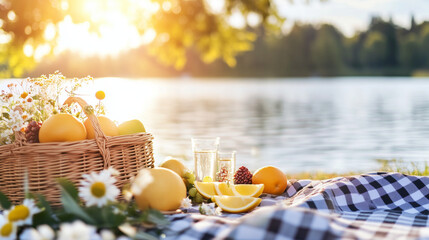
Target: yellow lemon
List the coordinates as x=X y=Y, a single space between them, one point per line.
x=223 y=188
x=131 y=127
x=108 y=127
x=176 y=165
x=62 y=128
x=251 y=190
x=158 y=188
x=236 y=204
x=206 y=189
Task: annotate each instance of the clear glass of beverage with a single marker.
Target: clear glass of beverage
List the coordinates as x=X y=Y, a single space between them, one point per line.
x=205 y=157
x=226 y=166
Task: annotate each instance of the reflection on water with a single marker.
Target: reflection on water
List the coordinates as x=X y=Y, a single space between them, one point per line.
x=337 y=124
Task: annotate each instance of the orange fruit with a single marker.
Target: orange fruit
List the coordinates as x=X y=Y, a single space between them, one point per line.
x=158 y=188
x=62 y=128
x=108 y=127
x=274 y=180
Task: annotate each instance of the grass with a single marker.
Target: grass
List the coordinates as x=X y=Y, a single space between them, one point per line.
x=393 y=165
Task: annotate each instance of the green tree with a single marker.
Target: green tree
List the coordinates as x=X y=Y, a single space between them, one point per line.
x=409 y=52
x=424 y=45
x=327 y=51
x=389 y=31
x=295 y=50
x=374 y=51
x=180 y=25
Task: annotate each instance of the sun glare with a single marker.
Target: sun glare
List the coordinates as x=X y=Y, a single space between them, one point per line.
x=116 y=30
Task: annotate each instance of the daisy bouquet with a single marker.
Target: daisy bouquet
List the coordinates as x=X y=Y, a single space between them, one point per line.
x=98 y=216
x=34 y=100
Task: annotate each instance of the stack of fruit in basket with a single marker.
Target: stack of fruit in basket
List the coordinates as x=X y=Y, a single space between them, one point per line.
x=64 y=127
x=165 y=191
x=32 y=106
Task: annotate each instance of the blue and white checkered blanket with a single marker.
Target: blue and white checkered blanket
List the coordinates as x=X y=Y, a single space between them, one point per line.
x=369 y=206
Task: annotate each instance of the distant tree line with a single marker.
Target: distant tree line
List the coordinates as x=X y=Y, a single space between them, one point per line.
x=307 y=50
x=383 y=49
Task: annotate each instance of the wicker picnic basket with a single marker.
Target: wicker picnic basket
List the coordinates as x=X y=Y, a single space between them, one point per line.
x=43 y=163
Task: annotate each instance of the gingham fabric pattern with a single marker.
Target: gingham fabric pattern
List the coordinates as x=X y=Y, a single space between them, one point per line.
x=369 y=206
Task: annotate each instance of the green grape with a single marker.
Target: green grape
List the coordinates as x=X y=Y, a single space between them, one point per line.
x=191 y=178
x=198 y=198
x=187 y=174
x=192 y=192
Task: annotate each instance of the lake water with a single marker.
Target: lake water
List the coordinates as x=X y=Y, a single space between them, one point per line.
x=332 y=124
x=337 y=124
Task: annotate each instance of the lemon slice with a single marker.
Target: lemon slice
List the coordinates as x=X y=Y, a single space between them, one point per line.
x=251 y=190
x=206 y=189
x=223 y=188
x=237 y=204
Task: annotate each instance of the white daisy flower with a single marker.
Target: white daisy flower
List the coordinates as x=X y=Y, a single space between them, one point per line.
x=22 y=214
x=7 y=229
x=218 y=211
x=209 y=209
x=98 y=189
x=107 y=235
x=186 y=203
x=113 y=171
x=76 y=231
x=43 y=232
x=123 y=238
x=141 y=181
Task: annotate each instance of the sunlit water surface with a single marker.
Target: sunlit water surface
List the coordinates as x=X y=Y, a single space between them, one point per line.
x=338 y=124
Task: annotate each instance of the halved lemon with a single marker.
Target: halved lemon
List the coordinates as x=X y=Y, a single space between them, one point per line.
x=236 y=204
x=251 y=190
x=207 y=189
x=223 y=189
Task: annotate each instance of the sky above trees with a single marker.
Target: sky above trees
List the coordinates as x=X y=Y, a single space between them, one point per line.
x=352 y=15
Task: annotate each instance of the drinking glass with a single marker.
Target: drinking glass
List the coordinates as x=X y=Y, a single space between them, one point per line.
x=205 y=157
x=226 y=166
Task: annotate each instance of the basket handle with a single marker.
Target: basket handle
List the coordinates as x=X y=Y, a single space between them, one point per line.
x=100 y=138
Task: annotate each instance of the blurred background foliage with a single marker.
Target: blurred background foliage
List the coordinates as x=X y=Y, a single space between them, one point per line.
x=198 y=38
x=29 y=28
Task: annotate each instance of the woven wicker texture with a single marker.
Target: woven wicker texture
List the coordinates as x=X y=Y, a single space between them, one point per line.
x=46 y=162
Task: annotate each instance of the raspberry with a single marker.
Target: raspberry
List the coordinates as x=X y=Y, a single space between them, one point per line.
x=243 y=176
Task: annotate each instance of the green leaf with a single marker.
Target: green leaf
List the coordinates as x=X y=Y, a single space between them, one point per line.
x=4 y=201
x=156 y=217
x=105 y=217
x=144 y=236
x=69 y=187
x=110 y=219
x=71 y=206
x=132 y=232
x=47 y=216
